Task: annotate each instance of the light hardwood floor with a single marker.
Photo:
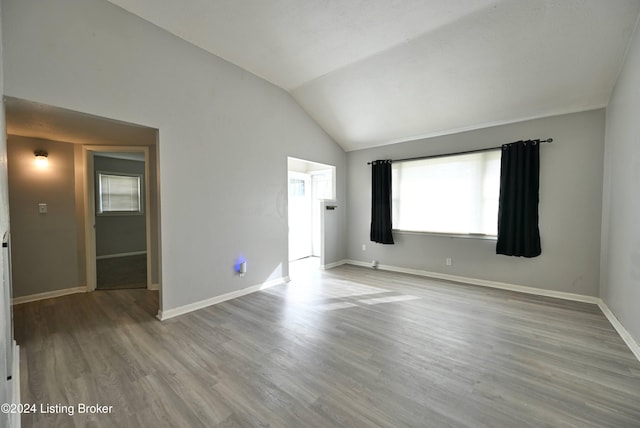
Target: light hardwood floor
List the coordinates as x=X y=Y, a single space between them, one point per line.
x=349 y=347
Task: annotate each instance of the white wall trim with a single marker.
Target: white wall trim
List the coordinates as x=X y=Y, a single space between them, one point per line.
x=624 y=334
x=48 y=295
x=485 y=283
x=113 y=256
x=154 y=287
x=334 y=264
x=181 y=310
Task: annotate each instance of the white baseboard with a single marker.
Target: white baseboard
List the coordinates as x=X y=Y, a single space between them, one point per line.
x=624 y=334
x=170 y=313
x=48 y=295
x=485 y=283
x=334 y=264
x=113 y=256
x=154 y=287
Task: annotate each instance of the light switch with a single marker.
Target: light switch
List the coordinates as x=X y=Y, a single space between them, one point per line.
x=42 y=208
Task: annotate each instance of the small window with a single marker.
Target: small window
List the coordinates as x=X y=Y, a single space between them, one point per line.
x=119 y=193
x=296 y=187
x=455 y=194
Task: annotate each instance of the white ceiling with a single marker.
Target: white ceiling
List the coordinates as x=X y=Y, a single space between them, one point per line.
x=35 y=120
x=373 y=72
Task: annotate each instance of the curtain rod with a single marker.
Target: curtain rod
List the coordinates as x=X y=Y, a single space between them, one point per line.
x=548 y=140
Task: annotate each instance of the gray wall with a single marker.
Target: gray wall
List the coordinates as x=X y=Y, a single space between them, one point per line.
x=332 y=238
x=117 y=234
x=224 y=134
x=44 y=246
x=620 y=270
x=570 y=208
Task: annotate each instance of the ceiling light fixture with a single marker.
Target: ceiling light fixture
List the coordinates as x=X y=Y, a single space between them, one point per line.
x=42 y=160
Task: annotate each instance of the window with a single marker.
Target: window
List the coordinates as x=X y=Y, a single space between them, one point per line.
x=296 y=187
x=322 y=184
x=455 y=194
x=119 y=193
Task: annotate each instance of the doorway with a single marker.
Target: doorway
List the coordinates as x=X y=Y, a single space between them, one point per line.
x=120 y=226
x=71 y=138
x=118 y=206
x=300 y=215
x=308 y=184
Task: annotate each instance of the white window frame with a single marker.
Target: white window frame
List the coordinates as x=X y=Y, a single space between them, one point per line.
x=484 y=188
x=99 y=208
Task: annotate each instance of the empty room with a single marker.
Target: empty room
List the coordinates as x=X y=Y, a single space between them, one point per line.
x=320 y=214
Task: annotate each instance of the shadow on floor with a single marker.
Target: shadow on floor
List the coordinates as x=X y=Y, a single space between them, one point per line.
x=122 y=272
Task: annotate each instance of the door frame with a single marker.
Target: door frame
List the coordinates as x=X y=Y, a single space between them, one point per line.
x=90 y=208
x=317 y=166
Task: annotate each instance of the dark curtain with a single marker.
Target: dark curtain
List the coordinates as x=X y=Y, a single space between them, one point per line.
x=381 y=202
x=518 y=232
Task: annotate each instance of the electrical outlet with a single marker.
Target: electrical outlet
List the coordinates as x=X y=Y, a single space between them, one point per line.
x=364 y=247
x=42 y=208
x=449 y=261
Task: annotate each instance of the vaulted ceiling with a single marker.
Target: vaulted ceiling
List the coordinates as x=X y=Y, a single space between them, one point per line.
x=374 y=72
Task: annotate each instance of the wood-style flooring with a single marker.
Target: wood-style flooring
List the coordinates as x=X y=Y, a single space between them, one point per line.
x=122 y=272
x=348 y=347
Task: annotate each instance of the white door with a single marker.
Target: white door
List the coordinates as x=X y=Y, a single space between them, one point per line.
x=300 y=216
